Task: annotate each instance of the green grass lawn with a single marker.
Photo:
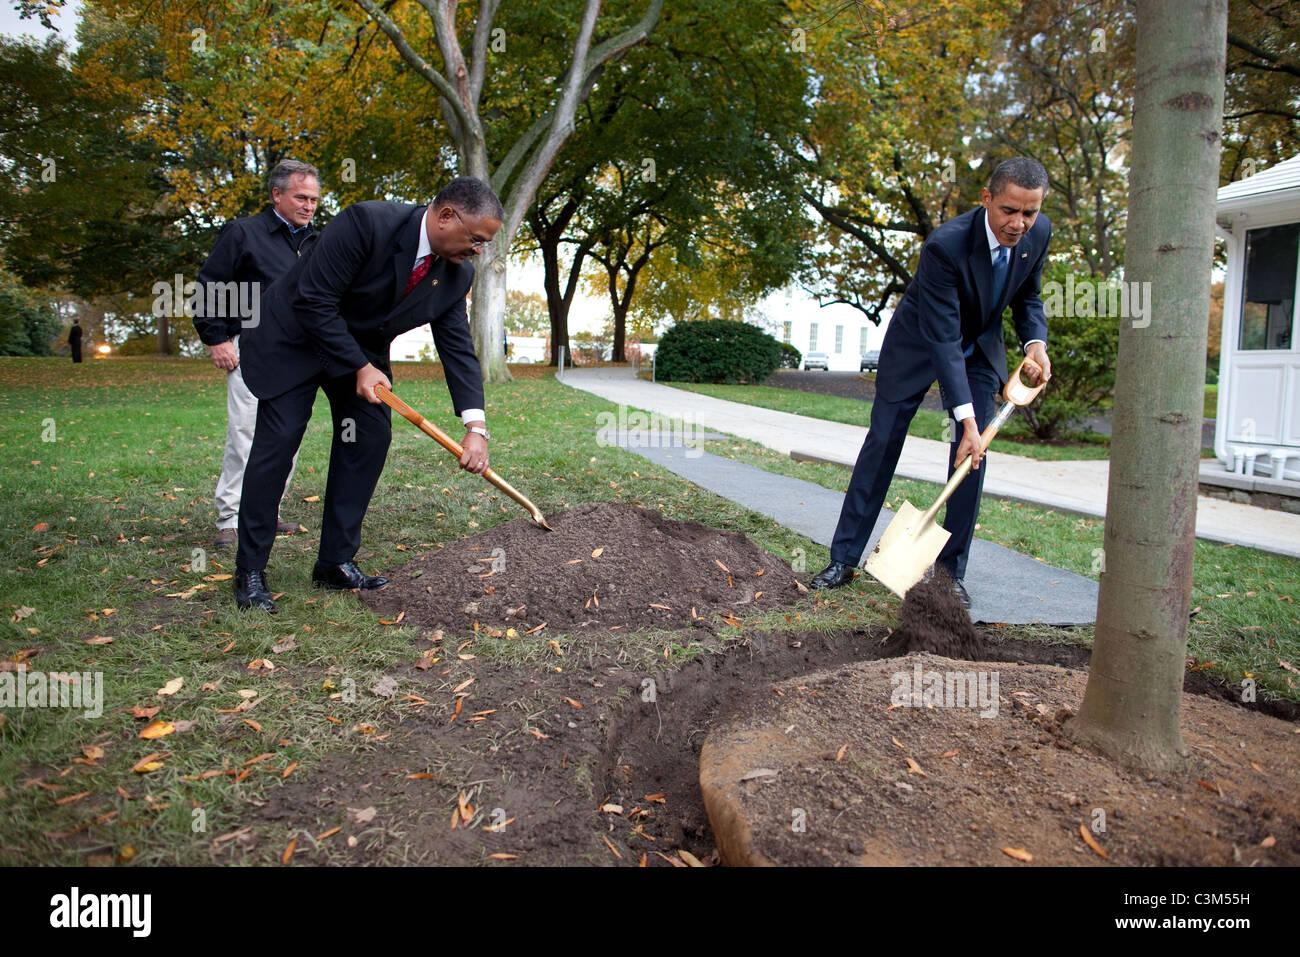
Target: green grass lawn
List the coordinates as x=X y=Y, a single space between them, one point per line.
x=927 y=424
x=107 y=471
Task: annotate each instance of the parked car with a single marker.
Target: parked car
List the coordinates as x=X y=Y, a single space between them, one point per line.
x=870 y=361
x=817 y=360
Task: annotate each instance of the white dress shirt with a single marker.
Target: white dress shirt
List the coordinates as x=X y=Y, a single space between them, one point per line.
x=425 y=249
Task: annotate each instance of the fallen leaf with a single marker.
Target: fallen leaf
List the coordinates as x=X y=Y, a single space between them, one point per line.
x=312 y=498
x=466 y=809
x=140 y=712
x=503 y=857
x=610 y=845
x=157 y=730
x=94 y=752
x=171 y=687
x=611 y=809
x=288 y=771
x=758 y=773
x=537 y=734
x=1091 y=842
x=99 y=640
x=421 y=776
x=261 y=665
x=1268 y=841
x=914 y=768
x=330 y=833
x=41 y=527
x=949 y=754
x=252 y=724
x=675 y=862
x=150 y=762
x=396 y=621
x=426 y=660
x=213 y=578
x=462 y=686
x=71 y=797
x=898 y=744
x=1019 y=853
x=284 y=644
x=288 y=851
x=361 y=815
x=839 y=755
x=385 y=687
x=657 y=798
x=690 y=859
x=570 y=701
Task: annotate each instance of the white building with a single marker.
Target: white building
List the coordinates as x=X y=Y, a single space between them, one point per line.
x=840 y=331
x=1258 y=415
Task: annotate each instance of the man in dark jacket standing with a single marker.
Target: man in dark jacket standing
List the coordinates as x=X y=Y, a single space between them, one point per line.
x=250 y=254
x=379 y=269
x=948 y=326
x=74 y=340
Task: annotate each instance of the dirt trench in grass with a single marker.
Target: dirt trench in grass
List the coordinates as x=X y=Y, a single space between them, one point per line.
x=582 y=748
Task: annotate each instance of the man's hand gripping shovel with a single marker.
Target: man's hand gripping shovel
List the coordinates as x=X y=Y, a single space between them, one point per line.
x=913 y=539
x=451 y=445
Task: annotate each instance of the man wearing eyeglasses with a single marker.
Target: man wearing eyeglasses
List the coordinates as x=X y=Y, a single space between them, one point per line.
x=377 y=270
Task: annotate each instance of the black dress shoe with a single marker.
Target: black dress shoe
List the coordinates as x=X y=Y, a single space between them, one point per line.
x=959 y=589
x=345 y=576
x=251 y=589
x=833 y=576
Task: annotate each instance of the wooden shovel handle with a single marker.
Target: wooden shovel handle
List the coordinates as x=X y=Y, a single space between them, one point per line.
x=415 y=418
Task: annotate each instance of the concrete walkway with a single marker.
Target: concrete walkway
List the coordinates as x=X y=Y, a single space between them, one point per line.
x=1073 y=486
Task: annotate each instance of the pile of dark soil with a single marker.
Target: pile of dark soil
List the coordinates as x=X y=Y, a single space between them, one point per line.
x=934 y=621
x=604 y=566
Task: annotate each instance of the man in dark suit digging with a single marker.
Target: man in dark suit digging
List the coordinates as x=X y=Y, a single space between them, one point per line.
x=948 y=326
x=379 y=269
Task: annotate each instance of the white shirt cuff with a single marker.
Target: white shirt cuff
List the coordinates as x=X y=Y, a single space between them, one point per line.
x=473 y=415
x=963 y=412
x=1025 y=347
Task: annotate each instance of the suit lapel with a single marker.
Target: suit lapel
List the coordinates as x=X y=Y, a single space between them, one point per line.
x=408 y=241
x=981 y=265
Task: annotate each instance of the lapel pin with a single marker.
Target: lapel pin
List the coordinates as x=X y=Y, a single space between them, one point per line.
x=434 y=282
x=1024 y=255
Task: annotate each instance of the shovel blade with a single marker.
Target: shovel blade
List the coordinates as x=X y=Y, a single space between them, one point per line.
x=906 y=551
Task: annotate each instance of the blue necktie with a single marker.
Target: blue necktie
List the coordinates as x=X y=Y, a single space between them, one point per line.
x=999 y=275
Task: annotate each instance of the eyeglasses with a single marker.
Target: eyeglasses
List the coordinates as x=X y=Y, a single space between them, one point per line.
x=478 y=244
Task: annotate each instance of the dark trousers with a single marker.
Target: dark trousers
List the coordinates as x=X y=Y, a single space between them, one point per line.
x=879 y=457
x=361 y=435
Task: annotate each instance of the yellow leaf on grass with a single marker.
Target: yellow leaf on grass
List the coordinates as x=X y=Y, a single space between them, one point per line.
x=312 y=498
x=150 y=762
x=157 y=730
x=598 y=552
x=1019 y=853
x=288 y=851
x=99 y=640
x=94 y=752
x=171 y=687
x=223 y=577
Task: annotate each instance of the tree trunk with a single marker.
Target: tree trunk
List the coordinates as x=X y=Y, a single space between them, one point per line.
x=488 y=304
x=164 y=344
x=1131 y=706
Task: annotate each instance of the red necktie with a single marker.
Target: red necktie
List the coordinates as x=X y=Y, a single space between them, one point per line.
x=419 y=272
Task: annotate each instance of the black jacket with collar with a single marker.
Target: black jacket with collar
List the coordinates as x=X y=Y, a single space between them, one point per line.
x=257 y=249
x=342 y=304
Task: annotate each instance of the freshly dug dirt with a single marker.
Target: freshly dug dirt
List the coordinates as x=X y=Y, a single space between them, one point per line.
x=604 y=566
x=934 y=620
x=832 y=770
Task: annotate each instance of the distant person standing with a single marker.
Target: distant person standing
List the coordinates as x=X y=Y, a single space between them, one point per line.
x=256 y=249
x=74 y=340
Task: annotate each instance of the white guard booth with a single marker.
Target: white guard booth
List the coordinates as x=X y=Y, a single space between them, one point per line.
x=1257 y=435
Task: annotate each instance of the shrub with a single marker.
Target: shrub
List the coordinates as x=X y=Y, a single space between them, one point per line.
x=716 y=350
x=1083 y=353
x=791 y=358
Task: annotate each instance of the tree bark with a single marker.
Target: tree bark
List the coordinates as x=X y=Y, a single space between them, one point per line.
x=1131 y=706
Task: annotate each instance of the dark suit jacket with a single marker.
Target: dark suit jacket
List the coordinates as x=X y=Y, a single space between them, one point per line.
x=341 y=306
x=253 y=249
x=947 y=307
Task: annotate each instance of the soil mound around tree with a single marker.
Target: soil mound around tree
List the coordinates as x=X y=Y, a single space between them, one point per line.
x=604 y=566
x=933 y=620
x=883 y=762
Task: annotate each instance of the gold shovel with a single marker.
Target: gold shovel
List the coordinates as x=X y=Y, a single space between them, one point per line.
x=913 y=540
x=454 y=447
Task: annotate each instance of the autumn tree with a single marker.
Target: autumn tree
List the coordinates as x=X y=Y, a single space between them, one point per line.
x=512 y=139
x=1131 y=706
